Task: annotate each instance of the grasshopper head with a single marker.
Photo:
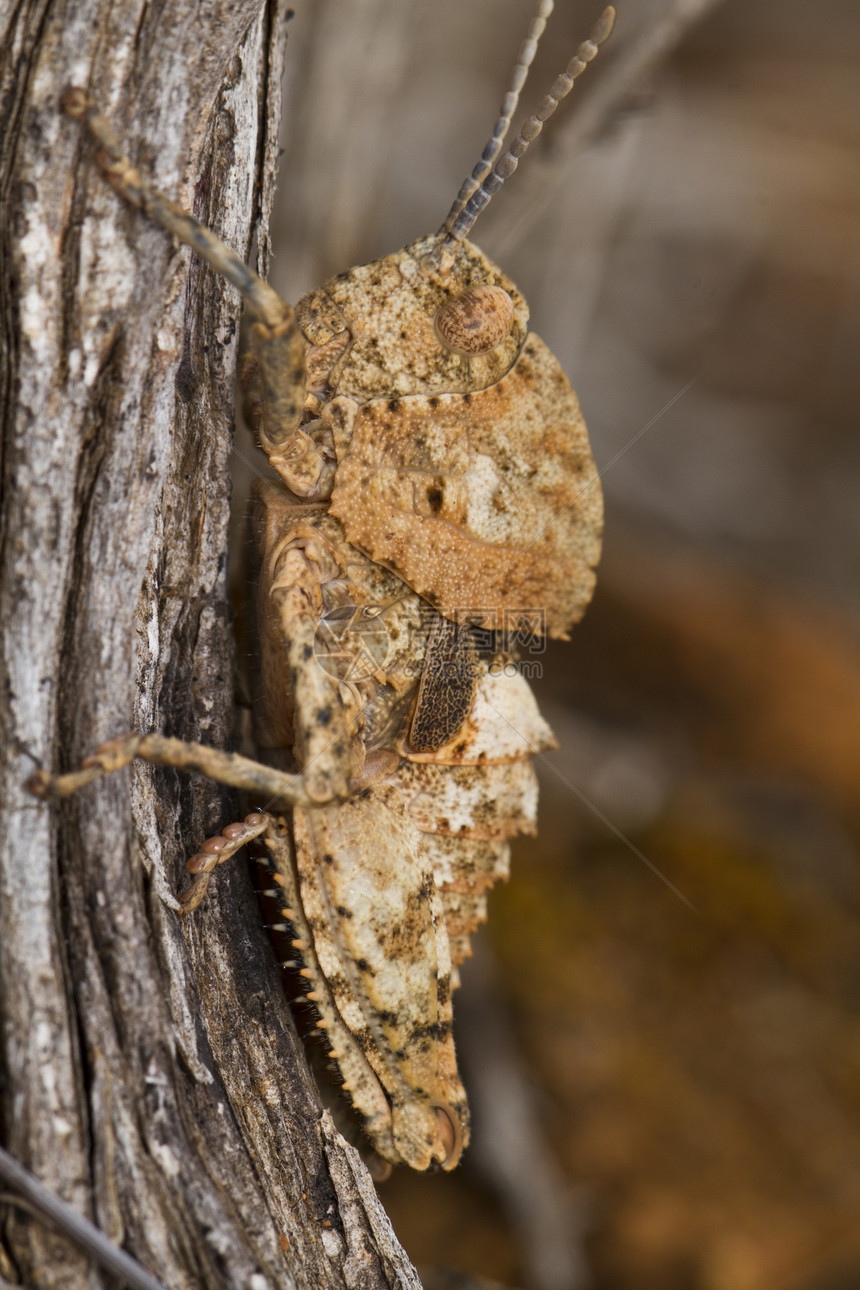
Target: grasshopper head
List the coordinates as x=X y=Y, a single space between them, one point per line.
x=421 y=325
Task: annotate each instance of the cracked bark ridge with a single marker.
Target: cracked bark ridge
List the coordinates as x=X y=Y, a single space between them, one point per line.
x=149 y=1070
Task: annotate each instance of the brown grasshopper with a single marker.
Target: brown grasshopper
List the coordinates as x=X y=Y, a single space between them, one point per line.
x=436 y=497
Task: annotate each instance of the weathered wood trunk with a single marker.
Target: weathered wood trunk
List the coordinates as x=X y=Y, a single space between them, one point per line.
x=149 y=1070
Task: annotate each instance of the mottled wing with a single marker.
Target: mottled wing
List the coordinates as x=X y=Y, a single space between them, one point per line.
x=503 y=723
x=447 y=686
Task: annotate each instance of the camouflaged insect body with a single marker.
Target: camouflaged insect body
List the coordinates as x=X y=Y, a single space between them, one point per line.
x=434 y=499
x=459 y=482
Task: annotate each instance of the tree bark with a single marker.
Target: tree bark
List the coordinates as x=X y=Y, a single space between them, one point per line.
x=150 y=1073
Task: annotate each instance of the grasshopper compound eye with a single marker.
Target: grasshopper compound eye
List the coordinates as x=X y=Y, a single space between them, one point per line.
x=477 y=321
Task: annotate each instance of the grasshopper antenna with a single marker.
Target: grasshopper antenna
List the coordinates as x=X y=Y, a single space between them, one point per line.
x=464 y=214
x=528 y=49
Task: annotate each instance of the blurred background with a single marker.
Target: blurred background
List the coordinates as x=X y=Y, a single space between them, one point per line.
x=661 y=1033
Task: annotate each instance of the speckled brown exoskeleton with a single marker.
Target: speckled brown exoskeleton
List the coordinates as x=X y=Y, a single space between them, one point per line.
x=433 y=497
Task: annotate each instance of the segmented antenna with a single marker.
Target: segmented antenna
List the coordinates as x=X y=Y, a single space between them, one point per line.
x=506 y=165
x=528 y=49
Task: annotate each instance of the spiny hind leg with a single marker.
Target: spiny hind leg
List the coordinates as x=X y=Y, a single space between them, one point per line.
x=358 y=1076
x=276 y=339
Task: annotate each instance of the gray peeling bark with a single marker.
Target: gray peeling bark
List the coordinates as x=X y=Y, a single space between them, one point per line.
x=150 y=1074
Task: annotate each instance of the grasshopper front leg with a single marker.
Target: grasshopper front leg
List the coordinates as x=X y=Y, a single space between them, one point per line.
x=277 y=787
x=326 y=719
x=277 y=343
